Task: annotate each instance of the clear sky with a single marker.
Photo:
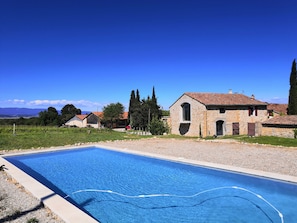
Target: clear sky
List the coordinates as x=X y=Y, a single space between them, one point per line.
x=91 y=53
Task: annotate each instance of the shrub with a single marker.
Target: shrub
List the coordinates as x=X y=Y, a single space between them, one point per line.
x=157 y=127
x=33 y=220
x=295 y=133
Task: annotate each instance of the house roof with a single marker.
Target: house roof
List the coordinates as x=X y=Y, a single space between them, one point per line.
x=278 y=108
x=125 y=115
x=81 y=117
x=282 y=120
x=100 y=115
x=224 y=99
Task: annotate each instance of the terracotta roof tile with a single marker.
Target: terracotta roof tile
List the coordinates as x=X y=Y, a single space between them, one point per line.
x=224 y=99
x=100 y=115
x=278 y=108
x=125 y=115
x=81 y=117
x=282 y=120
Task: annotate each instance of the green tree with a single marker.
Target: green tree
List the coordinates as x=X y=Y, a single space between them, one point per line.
x=157 y=127
x=135 y=116
x=145 y=111
x=49 y=117
x=113 y=112
x=131 y=107
x=165 y=113
x=142 y=112
x=68 y=111
x=154 y=107
x=292 y=105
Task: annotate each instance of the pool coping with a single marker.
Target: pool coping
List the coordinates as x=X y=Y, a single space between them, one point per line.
x=70 y=213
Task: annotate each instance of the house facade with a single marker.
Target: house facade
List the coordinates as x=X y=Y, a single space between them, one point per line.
x=215 y=114
x=280 y=126
x=94 y=120
x=77 y=121
x=275 y=110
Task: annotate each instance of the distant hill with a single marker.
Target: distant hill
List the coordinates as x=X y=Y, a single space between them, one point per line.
x=25 y=112
x=20 y=112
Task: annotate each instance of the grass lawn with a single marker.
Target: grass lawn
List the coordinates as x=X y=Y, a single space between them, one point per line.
x=268 y=140
x=28 y=137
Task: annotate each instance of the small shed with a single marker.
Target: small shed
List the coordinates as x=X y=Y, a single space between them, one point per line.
x=77 y=120
x=280 y=126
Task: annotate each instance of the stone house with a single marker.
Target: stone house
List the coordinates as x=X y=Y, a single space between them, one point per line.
x=94 y=120
x=77 y=121
x=280 y=126
x=277 y=109
x=215 y=114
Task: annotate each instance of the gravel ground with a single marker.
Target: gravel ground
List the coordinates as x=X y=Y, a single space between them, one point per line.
x=17 y=205
x=275 y=159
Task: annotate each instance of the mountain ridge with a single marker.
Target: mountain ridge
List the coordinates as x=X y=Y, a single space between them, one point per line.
x=14 y=112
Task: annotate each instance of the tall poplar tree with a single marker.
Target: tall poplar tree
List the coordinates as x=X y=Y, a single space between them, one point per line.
x=292 y=105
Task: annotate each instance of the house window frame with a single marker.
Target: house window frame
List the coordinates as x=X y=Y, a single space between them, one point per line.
x=253 y=111
x=186 y=112
x=222 y=110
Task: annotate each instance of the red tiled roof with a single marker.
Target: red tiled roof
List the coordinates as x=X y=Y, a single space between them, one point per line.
x=125 y=115
x=282 y=120
x=100 y=115
x=81 y=117
x=278 y=108
x=224 y=99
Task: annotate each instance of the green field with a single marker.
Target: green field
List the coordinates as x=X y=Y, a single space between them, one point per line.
x=28 y=137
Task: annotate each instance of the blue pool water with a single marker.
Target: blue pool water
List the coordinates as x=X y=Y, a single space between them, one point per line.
x=118 y=187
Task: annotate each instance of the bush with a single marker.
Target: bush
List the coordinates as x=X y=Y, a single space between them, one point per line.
x=295 y=133
x=33 y=220
x=157 y=127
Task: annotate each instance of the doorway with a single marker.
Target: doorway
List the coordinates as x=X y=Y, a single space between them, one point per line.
x=219 y=127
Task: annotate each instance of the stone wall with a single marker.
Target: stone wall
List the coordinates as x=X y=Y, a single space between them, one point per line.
x=203 y=120
x=285 y=132
x=188 y=128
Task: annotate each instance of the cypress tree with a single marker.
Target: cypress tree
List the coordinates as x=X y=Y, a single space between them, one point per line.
x=137 y=96
x=135 y=109
x=155 y=108
x=292 y=105
x=131 y=107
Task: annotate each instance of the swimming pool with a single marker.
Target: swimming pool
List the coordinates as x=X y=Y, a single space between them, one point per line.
x=119 y=187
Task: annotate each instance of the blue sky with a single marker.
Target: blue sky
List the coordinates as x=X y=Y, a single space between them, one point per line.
x=91 y=53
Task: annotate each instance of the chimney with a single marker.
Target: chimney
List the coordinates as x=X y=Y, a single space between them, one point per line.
x=230 y=91
x=253 y=97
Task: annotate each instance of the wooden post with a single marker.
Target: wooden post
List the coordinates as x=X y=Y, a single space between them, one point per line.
x=13 y=129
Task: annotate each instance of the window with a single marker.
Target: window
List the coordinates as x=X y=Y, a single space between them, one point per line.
x=253 y=111
x=92 y=119
x=186 y=112
x=222 y=110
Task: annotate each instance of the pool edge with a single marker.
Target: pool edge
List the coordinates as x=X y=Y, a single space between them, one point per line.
x=241 y=170
x=58 y=205
x=70 y=213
